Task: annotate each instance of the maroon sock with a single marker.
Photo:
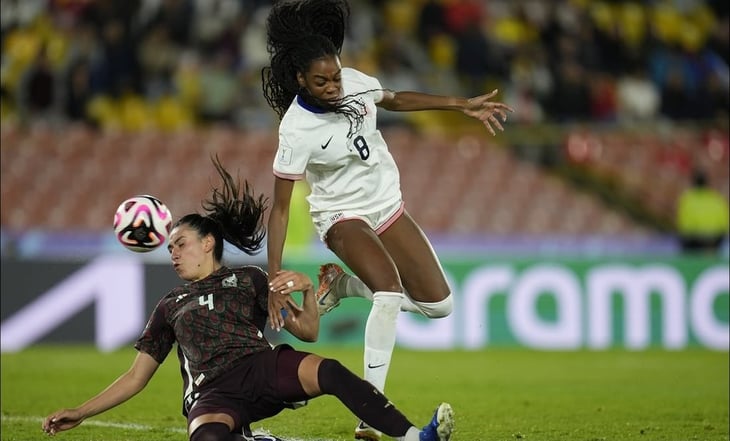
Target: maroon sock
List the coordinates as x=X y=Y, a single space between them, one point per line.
x=213 y=432
x=362 y=398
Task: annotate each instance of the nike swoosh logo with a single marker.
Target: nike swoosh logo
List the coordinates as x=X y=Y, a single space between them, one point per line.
x=324 y=146
x=375 y=366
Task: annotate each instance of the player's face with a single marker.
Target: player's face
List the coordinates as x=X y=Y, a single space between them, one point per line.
x=188 y=252
x=323 y=80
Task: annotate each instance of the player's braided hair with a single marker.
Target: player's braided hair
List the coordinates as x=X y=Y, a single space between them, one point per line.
x=232 y=213
x=299 y=32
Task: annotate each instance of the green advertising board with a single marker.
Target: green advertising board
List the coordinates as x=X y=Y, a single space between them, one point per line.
x=561 y=304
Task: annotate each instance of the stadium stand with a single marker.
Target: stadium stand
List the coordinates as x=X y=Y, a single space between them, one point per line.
x=99 y=134
x=73 y=179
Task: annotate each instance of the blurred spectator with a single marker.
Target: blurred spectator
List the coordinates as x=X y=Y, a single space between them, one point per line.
x=529 y=86
x=38 y=91
x=396 y=71
x=369 y=21
x=715 y=100
x=460 y=14
x=702 y=217
x=676 y=102
x=603 y=97
x=719 y=38
x=175 y=16
x=431 y=21
x=571 y=97
x=219 y=87
x=212 y=20
x=118 y=68
x=17 y=13
x=77 y=91
x=637 y=97
x=102 y=12
x=475 y=60
x=158 y=56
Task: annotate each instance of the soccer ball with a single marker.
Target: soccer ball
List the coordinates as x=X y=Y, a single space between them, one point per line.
x=142 y=223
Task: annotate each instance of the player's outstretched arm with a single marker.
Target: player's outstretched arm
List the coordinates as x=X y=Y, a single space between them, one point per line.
x=491 y=114
x=122 y=389
x=276 y=236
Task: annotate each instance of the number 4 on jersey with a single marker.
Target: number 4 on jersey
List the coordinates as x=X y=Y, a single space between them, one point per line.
x=203 y=300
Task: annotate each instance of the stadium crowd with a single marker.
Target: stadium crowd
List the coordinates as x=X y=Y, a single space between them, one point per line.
x=135 y=64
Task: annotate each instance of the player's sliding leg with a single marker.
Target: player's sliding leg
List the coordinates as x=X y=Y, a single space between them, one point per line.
x=370 y=405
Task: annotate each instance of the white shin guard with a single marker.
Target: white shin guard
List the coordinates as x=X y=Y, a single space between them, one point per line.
x=380 y=336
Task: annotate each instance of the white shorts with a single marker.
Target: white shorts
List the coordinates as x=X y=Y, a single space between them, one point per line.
x=378 y=221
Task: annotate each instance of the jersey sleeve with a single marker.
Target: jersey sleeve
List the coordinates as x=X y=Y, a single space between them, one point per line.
x=261 y=285
x=369 y=83
x=158 y=336
x=291 y=157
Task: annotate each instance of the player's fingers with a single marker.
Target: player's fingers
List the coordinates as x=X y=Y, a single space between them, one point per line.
x=50 y=421
x=502 y=114
x=277 y=322
x=293 y=305
x=491 y=94
x=496 y=123
x=274 y=315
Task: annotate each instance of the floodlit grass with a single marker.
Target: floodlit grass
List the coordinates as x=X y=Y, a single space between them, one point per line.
x=497 y=394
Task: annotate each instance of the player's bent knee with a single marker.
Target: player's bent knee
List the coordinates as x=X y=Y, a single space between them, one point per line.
x=212 y=432
x=437 y=309
x=330 y=375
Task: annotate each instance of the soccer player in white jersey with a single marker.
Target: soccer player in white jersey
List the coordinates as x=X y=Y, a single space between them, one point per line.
x=328 y=135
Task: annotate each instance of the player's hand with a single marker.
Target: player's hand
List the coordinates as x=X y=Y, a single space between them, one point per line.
x=488 y=112
x=62 y=420
x=281 y=302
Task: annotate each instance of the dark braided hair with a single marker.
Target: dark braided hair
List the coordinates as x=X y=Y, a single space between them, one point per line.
x=299 y=32
x=232 y=213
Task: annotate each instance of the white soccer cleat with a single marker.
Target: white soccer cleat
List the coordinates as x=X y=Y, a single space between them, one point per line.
x=327 y=298
x=366 y=433
x=441 y=426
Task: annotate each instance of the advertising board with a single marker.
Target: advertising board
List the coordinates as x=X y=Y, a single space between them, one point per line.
x=549 y=304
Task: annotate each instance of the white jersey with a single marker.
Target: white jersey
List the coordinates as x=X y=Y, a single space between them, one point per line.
x=355 y=174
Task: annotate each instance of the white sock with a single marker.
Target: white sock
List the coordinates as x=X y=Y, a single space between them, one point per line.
x=352 y=286
x=412 y=435
x=380 y=336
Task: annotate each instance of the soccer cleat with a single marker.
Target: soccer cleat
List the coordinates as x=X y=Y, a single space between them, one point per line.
x=327 y=298
x=441 y=425
x=367 y=433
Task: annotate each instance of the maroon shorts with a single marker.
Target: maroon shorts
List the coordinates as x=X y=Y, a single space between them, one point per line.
x=260 y=386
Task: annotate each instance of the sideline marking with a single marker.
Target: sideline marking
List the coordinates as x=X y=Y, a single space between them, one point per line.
x=96 y=423
x=127 y=426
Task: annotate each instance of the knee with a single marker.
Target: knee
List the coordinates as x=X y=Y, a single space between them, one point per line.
x=211 y=432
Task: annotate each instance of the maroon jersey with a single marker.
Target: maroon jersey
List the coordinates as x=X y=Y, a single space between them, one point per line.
x=215 y=321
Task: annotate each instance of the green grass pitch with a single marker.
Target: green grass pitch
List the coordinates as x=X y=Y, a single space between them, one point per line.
x=497 y=394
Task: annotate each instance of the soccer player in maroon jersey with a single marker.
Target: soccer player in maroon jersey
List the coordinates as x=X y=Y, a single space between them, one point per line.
x=232 y=375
